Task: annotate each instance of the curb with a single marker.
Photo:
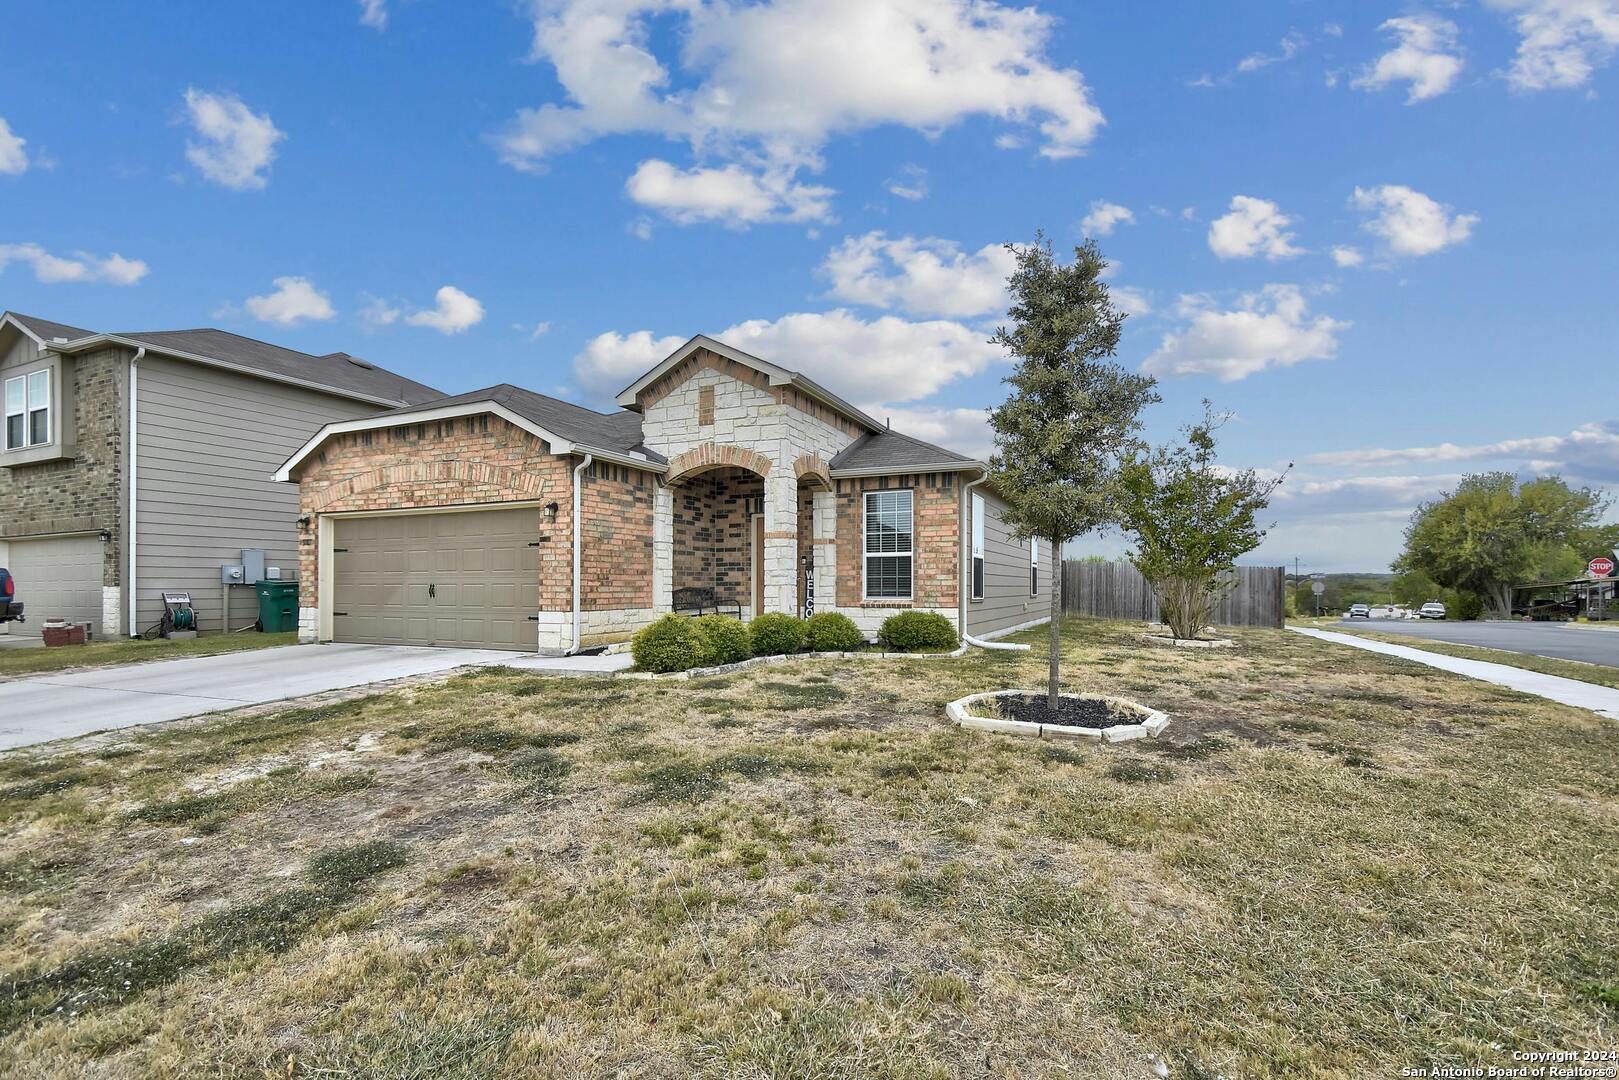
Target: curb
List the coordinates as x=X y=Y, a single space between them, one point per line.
x=1151 y=724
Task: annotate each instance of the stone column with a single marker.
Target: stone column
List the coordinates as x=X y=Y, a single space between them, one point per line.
x=781 y=542
x=824 y=533
x=663 y=550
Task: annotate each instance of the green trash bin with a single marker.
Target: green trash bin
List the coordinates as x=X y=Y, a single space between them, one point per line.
x=278 y=606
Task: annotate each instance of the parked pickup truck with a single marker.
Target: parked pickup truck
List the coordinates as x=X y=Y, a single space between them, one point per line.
x=10 y=606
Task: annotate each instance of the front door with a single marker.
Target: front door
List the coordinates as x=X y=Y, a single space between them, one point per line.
x=758 y=564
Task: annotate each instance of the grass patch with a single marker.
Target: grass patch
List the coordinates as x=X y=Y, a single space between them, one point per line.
x=498 y=740
x=1133 y=770
x=16 y=662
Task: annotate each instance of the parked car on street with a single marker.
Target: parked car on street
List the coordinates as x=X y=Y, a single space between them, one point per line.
x=10 y=606
x=1360 y=611
x=1433 y=609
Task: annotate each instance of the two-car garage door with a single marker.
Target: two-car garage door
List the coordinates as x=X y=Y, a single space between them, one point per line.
x=58 y=576
x=465 y=579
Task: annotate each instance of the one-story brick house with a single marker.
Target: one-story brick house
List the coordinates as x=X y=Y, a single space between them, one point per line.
x=478 y=519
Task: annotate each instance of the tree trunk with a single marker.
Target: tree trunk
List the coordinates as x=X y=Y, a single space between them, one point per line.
x=1055 y=630
x=1499 y=600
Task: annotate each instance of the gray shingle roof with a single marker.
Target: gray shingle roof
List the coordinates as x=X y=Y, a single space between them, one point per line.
x=888 y=449
x=337 y=370
x=50 y=330
x=619 y=432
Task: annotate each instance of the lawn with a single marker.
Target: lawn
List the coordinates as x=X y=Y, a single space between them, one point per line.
x=1332 y=864
x=15 y=661
x=1599 y=674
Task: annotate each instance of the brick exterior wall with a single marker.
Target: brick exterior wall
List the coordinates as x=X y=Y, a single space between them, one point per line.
x=936 y=542
x=84 y=493
x=712 y=545
x=465 y=461
x=616 y=548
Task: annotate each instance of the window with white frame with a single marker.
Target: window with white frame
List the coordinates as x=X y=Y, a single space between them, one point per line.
x=889 y=544
x=28 y=410
x=1034 y=566
x=978 y=547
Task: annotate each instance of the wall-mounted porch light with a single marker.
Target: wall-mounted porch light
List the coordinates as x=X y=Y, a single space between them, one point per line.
x=549 y=513
x=106 y=536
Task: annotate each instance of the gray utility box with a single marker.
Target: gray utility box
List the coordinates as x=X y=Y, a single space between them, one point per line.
x=253 y=565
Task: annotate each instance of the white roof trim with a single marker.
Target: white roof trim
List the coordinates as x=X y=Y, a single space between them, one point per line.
x=383 y=421
x=779 y=376
x=80 y=344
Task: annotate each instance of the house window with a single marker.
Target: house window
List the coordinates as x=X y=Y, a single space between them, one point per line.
x=888 y=544
x=28 y=410
x=1034 y=566
x=978 y=547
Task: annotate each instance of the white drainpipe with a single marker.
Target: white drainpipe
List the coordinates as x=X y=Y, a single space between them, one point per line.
x=132 y=629
x=578 y=540
x=967 y=573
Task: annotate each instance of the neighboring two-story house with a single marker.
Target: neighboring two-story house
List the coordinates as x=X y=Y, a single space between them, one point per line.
x=132 y=464
x=503 y=518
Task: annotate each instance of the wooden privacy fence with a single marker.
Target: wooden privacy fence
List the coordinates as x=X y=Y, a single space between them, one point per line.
x=1116 y=590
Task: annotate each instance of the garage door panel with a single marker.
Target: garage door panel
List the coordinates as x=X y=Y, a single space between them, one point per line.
x=59 y=576
x=484 y=574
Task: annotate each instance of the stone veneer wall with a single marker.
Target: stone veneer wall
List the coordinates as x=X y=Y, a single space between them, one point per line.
x=86 y=492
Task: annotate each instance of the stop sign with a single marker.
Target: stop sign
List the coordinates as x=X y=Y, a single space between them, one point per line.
x=1600 y=567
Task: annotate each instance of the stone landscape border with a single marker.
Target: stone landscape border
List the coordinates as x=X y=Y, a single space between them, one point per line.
x=1152 y=721
x=743 y=665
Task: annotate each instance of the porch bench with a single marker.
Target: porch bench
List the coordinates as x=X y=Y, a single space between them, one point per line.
x=696 y=601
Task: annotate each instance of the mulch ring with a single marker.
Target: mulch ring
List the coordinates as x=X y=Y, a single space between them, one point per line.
x=1071 y=711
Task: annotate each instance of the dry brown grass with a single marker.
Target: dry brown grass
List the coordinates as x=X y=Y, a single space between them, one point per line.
x=1333 y=864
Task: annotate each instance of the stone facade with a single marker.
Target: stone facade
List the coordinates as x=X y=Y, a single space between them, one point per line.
x=85 y=492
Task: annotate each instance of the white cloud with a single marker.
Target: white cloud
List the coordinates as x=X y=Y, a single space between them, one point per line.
x=454 y=312
x=13 y=158
x=1347 y=257
x=1130 y=300
x=911 y=183
x=1562 y=41
x=539 y=330
x=1270 y=328
x=966 y=431
x=1253 y=227
x=294 y=300
x=374 y=13
x=378 y=313
x=1409 y=222
x=732 y=196
x=883 y=359
x=767 y=85
x=235 y=145
x=1287 y=48
x=81 y=267
x=1590 y=451
x=920 y=276
x=1426 y=57
x=1104 y=217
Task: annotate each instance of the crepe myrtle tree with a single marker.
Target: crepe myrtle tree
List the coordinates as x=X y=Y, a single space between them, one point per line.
x=1191 y=520
x=1072 y=415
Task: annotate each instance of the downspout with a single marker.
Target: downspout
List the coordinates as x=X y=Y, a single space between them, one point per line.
x=132 y=630
x=578 y=541
x=967 y=571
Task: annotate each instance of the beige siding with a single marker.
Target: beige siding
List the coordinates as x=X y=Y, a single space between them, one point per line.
x=210 y=441
x=1007 y=601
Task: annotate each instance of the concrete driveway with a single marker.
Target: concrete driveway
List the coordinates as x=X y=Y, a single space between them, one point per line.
x=46 y=707
x=1557 y=641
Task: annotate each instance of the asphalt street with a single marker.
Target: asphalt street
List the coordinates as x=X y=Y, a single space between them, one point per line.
x=1558 y=641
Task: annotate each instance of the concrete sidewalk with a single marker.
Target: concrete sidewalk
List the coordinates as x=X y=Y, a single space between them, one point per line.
x=1603 y=700
x=42 y=708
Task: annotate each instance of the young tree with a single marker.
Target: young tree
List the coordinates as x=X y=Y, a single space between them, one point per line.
x=1072 y=414
x=1493 y=532
x=1192 y=520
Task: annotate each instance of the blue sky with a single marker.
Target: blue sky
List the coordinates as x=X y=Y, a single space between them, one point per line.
x=1382 y=235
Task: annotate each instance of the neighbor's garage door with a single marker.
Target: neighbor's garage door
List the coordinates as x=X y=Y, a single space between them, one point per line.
x=59 y=576
x=467 y=579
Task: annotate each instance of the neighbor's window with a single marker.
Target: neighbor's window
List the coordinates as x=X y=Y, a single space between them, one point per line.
x=888 y=544
x=978 y=547
x=1034 y=566
x=28 y=410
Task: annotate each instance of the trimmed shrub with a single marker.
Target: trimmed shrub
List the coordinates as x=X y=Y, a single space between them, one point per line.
x=831 y=631
x=776 y=634
x=917 y=631
x=720 y=640
x=670 y=644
